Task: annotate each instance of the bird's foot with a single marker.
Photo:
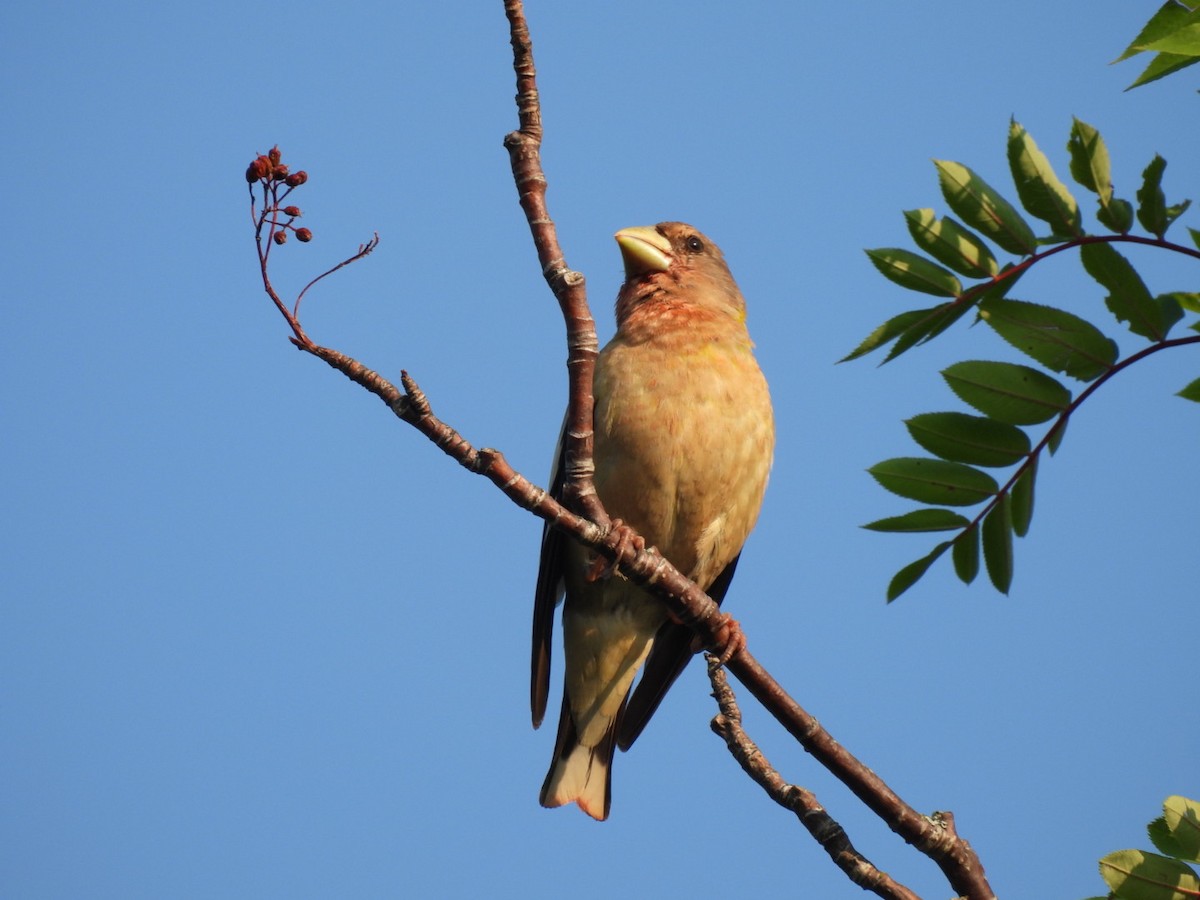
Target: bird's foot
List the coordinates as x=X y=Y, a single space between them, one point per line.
x=731 y=640
x=626 y=538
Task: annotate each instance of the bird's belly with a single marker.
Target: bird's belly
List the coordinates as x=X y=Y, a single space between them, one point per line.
x=683 y=456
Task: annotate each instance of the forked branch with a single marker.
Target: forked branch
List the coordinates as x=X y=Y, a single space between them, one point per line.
x=581 y=515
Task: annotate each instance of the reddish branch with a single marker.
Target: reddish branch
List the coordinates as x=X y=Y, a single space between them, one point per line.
x=524 y=150
x=727 y=724
x=974 y=294
x=952 y=309
x=684 y=599
x=581 y=514
x=1060 y=422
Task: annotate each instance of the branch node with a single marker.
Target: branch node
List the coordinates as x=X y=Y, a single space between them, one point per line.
x=416 y=397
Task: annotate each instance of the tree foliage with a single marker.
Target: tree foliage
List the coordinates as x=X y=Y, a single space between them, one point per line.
x=1173 y=36
x=1166 y=875
x=1011 y=398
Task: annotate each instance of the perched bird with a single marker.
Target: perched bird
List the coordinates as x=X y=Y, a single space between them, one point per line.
x=684 y=438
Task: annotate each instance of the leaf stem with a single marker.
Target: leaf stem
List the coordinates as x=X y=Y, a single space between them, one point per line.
x=1061 y=421
x=1027 y=263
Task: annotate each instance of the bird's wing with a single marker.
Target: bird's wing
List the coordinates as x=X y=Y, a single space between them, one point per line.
x=671 y=653
x=547 y=594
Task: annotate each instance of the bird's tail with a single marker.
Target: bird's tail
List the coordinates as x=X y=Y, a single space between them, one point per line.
x=579 y=773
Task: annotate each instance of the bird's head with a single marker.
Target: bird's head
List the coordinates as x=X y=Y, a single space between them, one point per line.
x=672 y=265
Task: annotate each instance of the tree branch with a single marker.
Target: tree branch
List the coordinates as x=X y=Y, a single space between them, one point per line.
x=524 y=150
x=581 y=515
x=727 y=724
x=684 y=600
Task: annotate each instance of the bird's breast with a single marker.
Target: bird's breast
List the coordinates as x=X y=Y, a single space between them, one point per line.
x=684 y=439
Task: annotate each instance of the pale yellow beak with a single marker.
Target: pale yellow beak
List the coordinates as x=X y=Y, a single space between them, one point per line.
x=644 y=250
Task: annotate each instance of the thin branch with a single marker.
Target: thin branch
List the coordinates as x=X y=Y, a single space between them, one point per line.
x=690 y=605
x=1061 y=421
x=802 y=803
x=684 y=600
x=930 y=835
x=363 y=250
x=581 y=515
x=524 y=149
x=971 y=295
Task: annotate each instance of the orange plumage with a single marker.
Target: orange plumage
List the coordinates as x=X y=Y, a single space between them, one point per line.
x=683 y=446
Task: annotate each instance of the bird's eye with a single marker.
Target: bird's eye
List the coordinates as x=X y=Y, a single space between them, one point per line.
x=694 y=244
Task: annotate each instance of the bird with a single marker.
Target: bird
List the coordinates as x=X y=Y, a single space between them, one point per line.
x=684 y=442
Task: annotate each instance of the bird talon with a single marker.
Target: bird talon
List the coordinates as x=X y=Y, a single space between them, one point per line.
x=731 y=640
x=627 y=538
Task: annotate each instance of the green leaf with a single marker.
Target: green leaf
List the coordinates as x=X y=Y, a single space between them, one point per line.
x=1090 y=167
x=1175 y=210
x=1195 y=237
x=1186 y=299
x=1184 y=40
x=1057 y=339
x=1136 y=875
x=1117 y=216
x=915 y=272
x=1182 y=817
x=1041 y=193
x=920 y=520
x=1171 y=17
x=946 y=315
x=1152 y=203
x=1000 y=286
x=951 y=244
x=1162 y=839
x=1058 y=431
x=1022 y=499
x=1153 y=212
x=965 y=554
x=934 y=481
x=939 y=319
x=1129 y=299
x=887 y=331
x=1007 y=392
x=1162 y=65
x=920 y=325
x=1172 y=311
x=983 y=209
x=997 y=544
x=911 y=574
x=1191 y=392
x=969 y=439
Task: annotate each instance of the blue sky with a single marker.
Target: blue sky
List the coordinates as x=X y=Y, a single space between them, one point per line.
x=258 y=639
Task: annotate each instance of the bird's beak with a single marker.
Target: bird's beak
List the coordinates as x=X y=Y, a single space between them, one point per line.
x=644 y=250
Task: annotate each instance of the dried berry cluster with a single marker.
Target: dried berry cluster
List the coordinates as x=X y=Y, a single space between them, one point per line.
x=268 y=170
x=267 y=167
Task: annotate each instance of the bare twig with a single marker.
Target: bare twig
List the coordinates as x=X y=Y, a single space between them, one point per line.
x=727 y=724
x=524 y=150
x=363 y=250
